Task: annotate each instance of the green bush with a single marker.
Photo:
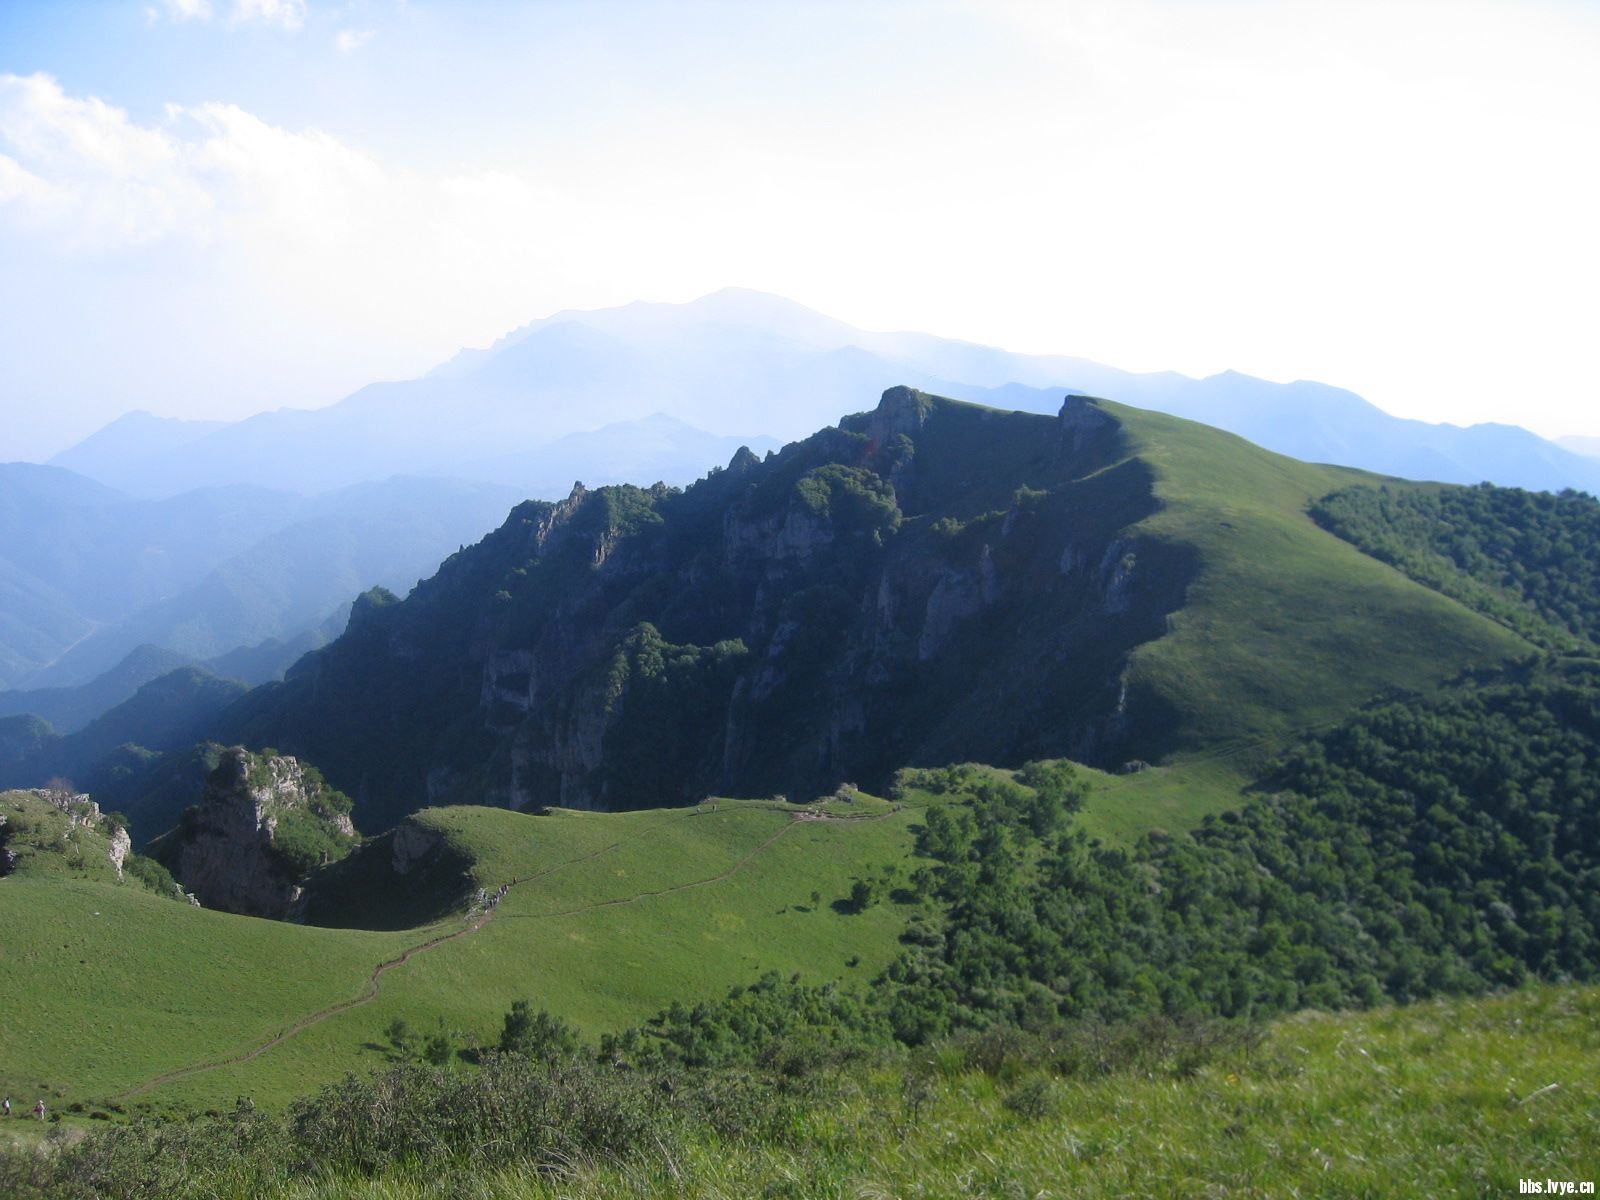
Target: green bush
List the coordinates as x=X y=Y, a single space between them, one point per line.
x=152 y=874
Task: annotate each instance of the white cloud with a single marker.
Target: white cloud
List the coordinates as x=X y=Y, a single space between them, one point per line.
x=285 y=14
x=85 y=172
x=282 y=14
x=187 y=10
x=20 y=187
x=295 y=220
x=351 y=40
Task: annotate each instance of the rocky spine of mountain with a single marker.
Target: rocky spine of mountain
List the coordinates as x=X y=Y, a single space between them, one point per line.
x=264 y=824
x=930 y=581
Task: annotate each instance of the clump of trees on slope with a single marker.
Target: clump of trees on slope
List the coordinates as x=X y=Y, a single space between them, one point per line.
x=1530 y=560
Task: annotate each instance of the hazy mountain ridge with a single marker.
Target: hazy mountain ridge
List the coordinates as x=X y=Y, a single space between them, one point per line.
x=88 y=574
x=68 y=709
x=169 y=713
x=78 y=557
x=737 y=363
x=106 y=454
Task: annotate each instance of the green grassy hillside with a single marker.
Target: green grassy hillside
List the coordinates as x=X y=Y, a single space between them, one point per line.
x=610 y=917
x=107 y=986
x=64 y=838
x=1457 y=1098
x=1040 y=1026
x=1285 y=628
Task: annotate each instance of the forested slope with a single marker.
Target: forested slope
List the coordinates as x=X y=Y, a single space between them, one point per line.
x=1530 y=560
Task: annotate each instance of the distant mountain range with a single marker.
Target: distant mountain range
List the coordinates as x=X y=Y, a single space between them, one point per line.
x=69 y=709
x=88 y=574
x=238 y=546
x=929 y=582
x=662 y=391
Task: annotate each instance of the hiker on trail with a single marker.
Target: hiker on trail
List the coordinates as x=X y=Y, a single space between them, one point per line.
x=38 y=1110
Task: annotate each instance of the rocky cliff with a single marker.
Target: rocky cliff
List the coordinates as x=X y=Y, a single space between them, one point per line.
x=927 y=582
x=62 y=824
x=263 y=824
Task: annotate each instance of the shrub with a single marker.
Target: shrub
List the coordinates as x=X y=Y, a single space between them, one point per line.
x=536 y=1035
x=1035 y=1100
x=152 y=875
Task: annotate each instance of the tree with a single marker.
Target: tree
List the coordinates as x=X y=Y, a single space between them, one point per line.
x=539 y=1035
x=400 y=1037
x=861 y=896
x=438 y=1048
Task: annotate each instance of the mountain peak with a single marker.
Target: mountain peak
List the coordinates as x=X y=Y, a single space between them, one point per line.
x=901 y=410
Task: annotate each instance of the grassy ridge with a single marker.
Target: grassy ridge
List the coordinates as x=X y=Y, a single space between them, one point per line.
x=615 y=916
x=1287 y=628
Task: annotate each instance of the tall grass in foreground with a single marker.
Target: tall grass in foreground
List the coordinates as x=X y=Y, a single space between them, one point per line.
x=1448 y=1098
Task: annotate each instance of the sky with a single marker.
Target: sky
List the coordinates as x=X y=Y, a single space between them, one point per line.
x=213 y=207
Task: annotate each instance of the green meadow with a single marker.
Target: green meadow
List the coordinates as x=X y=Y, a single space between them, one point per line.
x=109 y=989
x=1286 y=628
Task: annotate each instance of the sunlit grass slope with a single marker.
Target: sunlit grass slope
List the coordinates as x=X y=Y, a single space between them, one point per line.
x=1286 y=628
x=1458 y=1098
x=103 y=986
x=610 y=918
x=1121 y=808
x=42 y=840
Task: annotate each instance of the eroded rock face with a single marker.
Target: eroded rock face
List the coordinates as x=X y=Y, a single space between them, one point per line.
x=412 y=846
x=121 y=846
x=926 y=582
x=226 y=852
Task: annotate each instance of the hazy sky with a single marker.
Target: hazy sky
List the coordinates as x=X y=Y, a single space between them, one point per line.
x=210 y=207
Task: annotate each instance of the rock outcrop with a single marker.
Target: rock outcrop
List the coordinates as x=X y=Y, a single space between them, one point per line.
x=121 y=847
x=413 y=845
x=927 y=582
x=83 y=813
x=264 y=822
x=61 y=821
